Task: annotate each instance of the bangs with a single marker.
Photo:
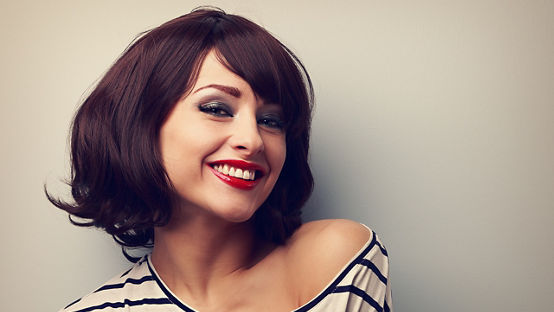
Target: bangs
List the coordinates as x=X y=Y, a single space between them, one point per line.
x=273 y=72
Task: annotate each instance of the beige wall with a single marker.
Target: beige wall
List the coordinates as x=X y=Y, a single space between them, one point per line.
x=434 y=125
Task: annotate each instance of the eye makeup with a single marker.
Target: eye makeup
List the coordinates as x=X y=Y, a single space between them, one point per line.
x=216 y=104
x=271 y=120
x=216 y=108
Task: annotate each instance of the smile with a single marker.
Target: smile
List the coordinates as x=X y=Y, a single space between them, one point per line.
x=237 y=173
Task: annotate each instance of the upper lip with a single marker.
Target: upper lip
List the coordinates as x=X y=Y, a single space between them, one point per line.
x=244 y=165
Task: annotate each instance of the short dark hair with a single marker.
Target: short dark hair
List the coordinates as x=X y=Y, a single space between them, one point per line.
x=117 y=180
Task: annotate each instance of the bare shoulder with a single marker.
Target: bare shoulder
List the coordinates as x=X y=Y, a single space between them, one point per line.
x=342 y=235
x=319 y=250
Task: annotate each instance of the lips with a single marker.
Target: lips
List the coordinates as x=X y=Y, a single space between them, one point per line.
x=237 y=173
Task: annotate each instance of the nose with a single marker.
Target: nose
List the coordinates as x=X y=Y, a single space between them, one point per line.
x=246 y=138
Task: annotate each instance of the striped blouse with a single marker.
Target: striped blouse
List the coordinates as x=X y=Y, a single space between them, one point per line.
x=362 y=285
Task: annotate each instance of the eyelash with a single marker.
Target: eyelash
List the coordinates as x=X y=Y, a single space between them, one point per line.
x=221 y=110
x=271 y=121
x=216 y=109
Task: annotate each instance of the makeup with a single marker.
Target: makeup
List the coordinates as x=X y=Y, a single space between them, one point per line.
x=237 y=173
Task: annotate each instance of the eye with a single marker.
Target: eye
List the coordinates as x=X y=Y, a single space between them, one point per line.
x=271 y=121
x=216 y=109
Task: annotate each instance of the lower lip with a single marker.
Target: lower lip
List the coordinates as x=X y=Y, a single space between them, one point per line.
x=235 y=182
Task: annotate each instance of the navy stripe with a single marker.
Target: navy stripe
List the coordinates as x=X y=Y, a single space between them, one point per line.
x=126 y=272
x=169 y=295
x=383 y=249
x=375 y=270
x=74 y=302
x=360 y=293
x=334 y=284
x=387 y=308
x=127 y=281
x=125 y=303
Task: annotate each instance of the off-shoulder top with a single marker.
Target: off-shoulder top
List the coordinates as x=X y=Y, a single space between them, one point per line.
x=362 y=285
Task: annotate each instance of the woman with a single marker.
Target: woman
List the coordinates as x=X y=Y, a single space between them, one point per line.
x=195 y=143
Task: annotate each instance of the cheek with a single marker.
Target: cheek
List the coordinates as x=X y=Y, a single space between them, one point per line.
x=276 y=153
x=185 y=152
x=172 y=158
x=177 y=148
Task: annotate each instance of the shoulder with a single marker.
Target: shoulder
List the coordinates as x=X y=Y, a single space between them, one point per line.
x=345 y=237
x=318 y=251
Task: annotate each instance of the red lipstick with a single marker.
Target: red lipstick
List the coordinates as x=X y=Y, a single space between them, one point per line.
x=238 y=164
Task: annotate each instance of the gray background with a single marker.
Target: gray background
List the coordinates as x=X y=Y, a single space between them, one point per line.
x=434 y=125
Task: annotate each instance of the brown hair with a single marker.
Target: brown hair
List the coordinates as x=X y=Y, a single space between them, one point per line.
x=118 y=182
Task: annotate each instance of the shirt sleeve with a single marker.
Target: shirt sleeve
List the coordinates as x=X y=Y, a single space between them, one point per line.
x=368 y=282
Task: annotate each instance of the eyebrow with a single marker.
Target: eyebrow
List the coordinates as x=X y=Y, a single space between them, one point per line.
x=227 y=89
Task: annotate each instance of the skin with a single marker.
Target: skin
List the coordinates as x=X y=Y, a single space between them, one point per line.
x=223 y=267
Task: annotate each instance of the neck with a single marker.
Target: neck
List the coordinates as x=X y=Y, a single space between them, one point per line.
x=195 y=255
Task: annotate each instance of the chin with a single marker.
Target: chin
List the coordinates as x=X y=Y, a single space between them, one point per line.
x=238 y=215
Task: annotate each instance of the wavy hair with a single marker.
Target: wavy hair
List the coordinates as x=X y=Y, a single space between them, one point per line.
x=117 y=180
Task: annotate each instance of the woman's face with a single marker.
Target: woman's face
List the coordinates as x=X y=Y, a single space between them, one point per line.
x=222 y=146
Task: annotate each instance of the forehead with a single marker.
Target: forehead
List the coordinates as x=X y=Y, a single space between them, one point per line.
x=213 y=72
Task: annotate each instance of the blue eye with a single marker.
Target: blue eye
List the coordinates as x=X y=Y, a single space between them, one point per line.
x=271 y=121
x=216 y=109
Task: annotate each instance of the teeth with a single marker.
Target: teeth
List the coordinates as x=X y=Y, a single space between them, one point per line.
x=236 y=172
